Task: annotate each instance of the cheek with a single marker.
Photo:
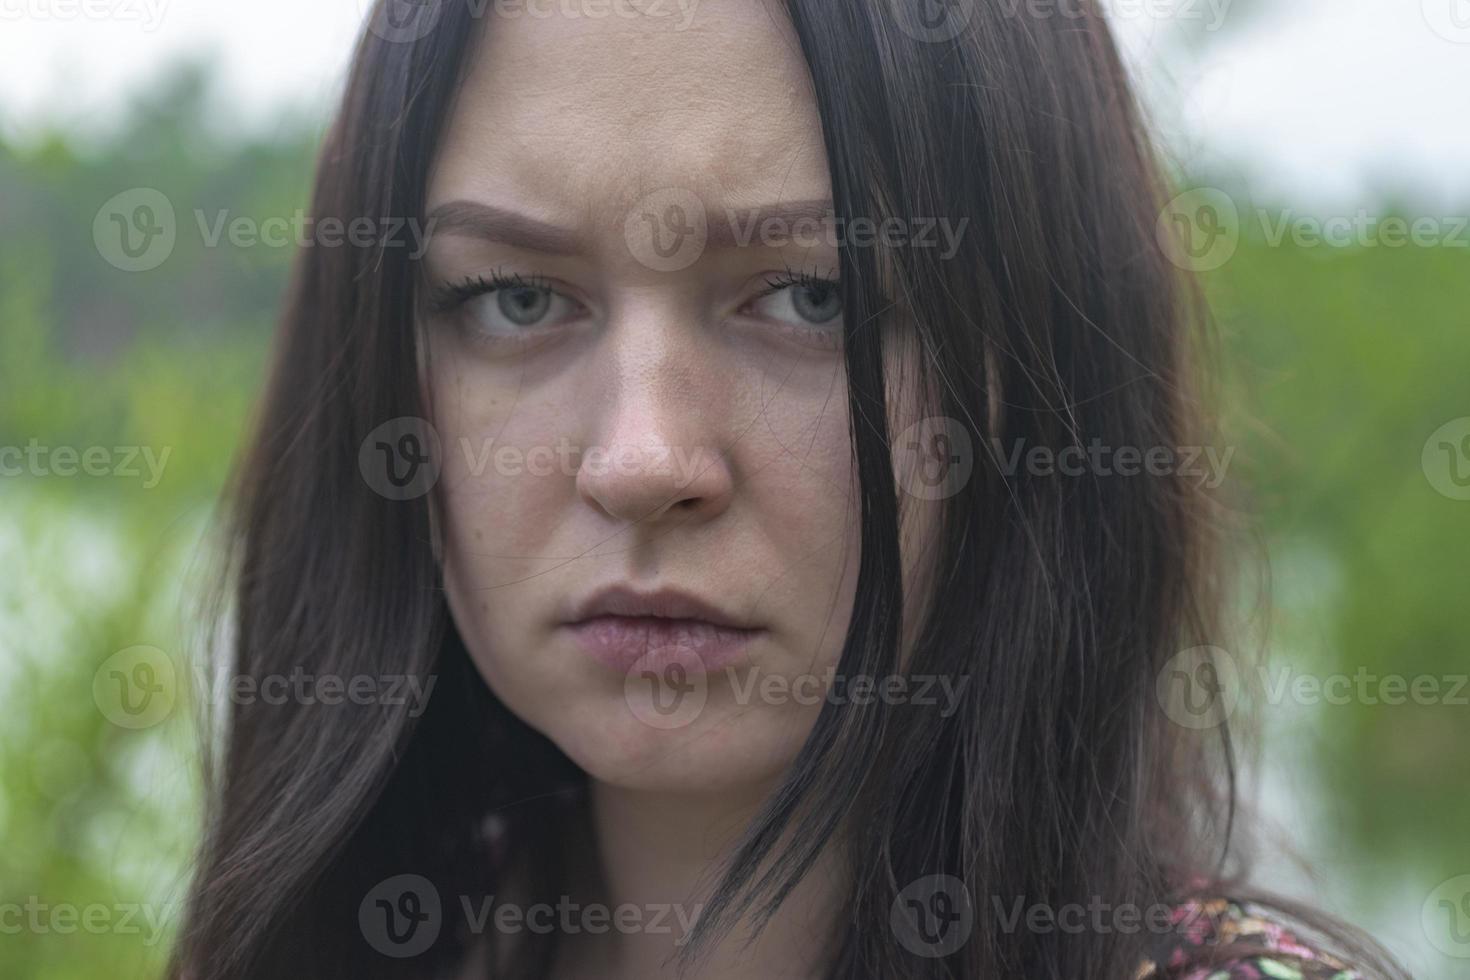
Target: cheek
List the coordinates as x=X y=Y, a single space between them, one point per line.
x=796 y=512
x=504 y=494
x=806 y=503
x=500 y=498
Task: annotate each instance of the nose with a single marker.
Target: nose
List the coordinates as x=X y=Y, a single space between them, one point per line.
x=660 y=456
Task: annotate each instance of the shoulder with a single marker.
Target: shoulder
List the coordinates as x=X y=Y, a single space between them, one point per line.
x=1225 y=939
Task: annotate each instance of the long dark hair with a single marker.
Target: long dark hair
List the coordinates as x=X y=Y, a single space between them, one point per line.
x=1058 y=321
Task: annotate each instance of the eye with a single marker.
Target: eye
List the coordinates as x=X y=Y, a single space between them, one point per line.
x=801 y=301
x=524 y=306
x=501 y=307
x=517 y=308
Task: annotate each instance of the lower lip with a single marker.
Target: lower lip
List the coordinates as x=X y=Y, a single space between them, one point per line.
x=625 y=642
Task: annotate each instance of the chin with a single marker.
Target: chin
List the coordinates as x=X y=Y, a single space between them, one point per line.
x=726 y=750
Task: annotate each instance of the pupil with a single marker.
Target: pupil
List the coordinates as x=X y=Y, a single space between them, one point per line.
x=524 y=305
x=818 y=303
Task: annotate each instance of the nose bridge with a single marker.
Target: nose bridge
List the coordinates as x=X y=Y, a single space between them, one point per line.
x=659 y=436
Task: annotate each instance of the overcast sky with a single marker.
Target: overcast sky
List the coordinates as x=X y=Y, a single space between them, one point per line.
x=1314 y=101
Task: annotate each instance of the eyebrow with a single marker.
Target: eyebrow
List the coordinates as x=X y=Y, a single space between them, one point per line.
x=727 y=227
x=732 y=227
x=507 y=227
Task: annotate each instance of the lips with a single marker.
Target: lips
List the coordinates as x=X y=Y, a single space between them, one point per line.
x=624 y=629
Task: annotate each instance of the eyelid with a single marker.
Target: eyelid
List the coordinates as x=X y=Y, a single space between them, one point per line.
x=799 y=277
x=819 y=336
x=786 y=279
x=451 y=295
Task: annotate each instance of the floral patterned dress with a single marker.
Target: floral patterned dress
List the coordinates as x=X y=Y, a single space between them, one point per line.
x=1267 y=950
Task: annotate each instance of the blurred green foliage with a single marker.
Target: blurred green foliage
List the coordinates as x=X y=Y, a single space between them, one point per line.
x=1348 y=359
x=98 y=819
x=1343 y=361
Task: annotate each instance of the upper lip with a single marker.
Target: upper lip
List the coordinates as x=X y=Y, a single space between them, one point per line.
x=664 y=603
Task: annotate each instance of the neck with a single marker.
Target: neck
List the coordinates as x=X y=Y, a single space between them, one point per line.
x=660 y=854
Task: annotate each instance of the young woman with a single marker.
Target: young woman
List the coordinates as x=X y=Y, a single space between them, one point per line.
x=716 y=530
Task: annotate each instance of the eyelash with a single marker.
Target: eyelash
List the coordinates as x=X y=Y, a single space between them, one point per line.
x=792 y=277
x=451 y=296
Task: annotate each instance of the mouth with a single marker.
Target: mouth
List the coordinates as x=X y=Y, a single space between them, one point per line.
x=624 y=629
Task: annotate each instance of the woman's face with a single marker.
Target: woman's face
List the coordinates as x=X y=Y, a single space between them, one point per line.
x=638 y=384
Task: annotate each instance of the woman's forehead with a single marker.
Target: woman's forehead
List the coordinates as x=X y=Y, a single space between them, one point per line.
x=575 y=118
